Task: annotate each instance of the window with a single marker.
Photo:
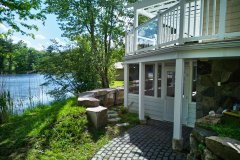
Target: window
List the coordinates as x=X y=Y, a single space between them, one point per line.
x=149 y=79
x=159 y=85
x=194 y=81
x=170 y=83
x=134 y=78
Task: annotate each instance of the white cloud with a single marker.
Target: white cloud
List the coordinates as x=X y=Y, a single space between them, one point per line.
x=40 y=37
x=17 y=39
x=3 y=28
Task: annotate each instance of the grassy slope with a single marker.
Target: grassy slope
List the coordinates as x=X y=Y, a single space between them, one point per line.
x=117 y=84
x=59 y=131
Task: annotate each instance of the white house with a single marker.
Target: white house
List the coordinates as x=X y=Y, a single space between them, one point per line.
x=184 y=61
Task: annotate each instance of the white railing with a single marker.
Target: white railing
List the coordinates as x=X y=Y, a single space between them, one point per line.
x=187 y=21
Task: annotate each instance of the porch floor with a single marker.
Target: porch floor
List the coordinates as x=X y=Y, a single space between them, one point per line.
x=151 y=141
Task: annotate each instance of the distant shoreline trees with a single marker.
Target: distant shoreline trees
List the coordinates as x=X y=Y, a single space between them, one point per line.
x=18 y=58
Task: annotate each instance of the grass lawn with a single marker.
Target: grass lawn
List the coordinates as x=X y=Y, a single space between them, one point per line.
x=117 y=84
x=229 y=127
x=57 y=131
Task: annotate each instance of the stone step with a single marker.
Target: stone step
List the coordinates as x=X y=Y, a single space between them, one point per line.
x=112 y=112
x=114 y=119
x=112 y=115
x=122 y=124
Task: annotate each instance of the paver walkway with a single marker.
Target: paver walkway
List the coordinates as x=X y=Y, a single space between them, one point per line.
x=152 y=141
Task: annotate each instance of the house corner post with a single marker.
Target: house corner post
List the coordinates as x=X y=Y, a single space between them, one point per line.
x=126 y=84
x=141 y=91
x=177 y=142
x=182 y=21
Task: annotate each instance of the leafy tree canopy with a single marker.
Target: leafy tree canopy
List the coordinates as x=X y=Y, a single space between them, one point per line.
x=15 y=13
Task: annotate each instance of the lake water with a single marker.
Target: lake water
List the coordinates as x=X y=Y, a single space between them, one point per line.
x=26 y=90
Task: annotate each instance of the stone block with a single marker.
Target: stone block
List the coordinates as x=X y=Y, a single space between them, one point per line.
x=119 y=97
x=209 y=120
x=109 y=98
x=208 y=155
x=98 y=116
x=224 y=147
x=88 y=101
x=87 y=94
x=177 y=144
x=200 y=134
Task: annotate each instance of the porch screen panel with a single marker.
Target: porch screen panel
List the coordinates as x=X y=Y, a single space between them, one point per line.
x=149 y=79
x=194 y=81
x=170 y=84
x=134 y=78
x=159 y=80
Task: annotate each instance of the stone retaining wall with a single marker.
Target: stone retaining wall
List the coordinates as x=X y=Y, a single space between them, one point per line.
x=107 y=97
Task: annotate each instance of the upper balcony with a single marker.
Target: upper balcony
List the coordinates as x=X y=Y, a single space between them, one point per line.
x=174 y=22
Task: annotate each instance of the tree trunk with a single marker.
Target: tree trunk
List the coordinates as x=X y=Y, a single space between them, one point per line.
x=105 y=81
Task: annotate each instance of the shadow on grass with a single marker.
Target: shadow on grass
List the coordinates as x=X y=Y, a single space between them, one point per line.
x=19 y=135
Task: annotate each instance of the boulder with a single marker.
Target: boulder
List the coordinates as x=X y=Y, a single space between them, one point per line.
x=88 y=101
x=119 y=97
x=209 y=120
x=87 y=94
x=200 y=134
x=224 y=147
x=109 y=99
x=208 y=155
x=98 y=116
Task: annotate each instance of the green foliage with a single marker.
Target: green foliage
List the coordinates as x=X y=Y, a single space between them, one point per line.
x=18 y=58
x=102 y=22
x=15 y=13
x=230 y=127
x=201 y=148
x=57 y=131
x=71 y=70
x=116 y=84
x=123 y=110
x=6 y=106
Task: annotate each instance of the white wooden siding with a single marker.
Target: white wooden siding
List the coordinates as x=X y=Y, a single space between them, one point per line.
x=154 y=108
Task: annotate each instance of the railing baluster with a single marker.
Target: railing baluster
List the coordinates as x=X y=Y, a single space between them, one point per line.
x=177 y=19
x=222 y=18
x=189 y=18
x=195 y=18
x=173 y=27
x=214 y=17
x=201 y=18
x=207 y=17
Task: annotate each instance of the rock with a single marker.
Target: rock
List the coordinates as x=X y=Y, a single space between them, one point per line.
x=109 y=99
x=200 y=134
x=224 y=147
x=119 y=98
x=112 y=115
x=193 y=145
x=208 y=155
x=87 y=94
x=88 y=101
x=219 y=110
x=208 y=120
x=212 y=114
x=114 y=119
x=98 y=116
x=122 y=124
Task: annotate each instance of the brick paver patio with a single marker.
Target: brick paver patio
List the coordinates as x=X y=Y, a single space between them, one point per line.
x=152 y=141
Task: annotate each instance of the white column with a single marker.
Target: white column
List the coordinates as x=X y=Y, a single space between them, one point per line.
x=179 y=76
x=155 y=80
x=182 y=21
x=135 y=30
x=126 y=84
x=141 y=90
x=163 y=82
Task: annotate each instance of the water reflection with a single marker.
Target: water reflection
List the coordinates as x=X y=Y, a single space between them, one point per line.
x=26 y=90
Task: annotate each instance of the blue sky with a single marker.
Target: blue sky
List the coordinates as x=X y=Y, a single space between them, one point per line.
x=51 y=30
